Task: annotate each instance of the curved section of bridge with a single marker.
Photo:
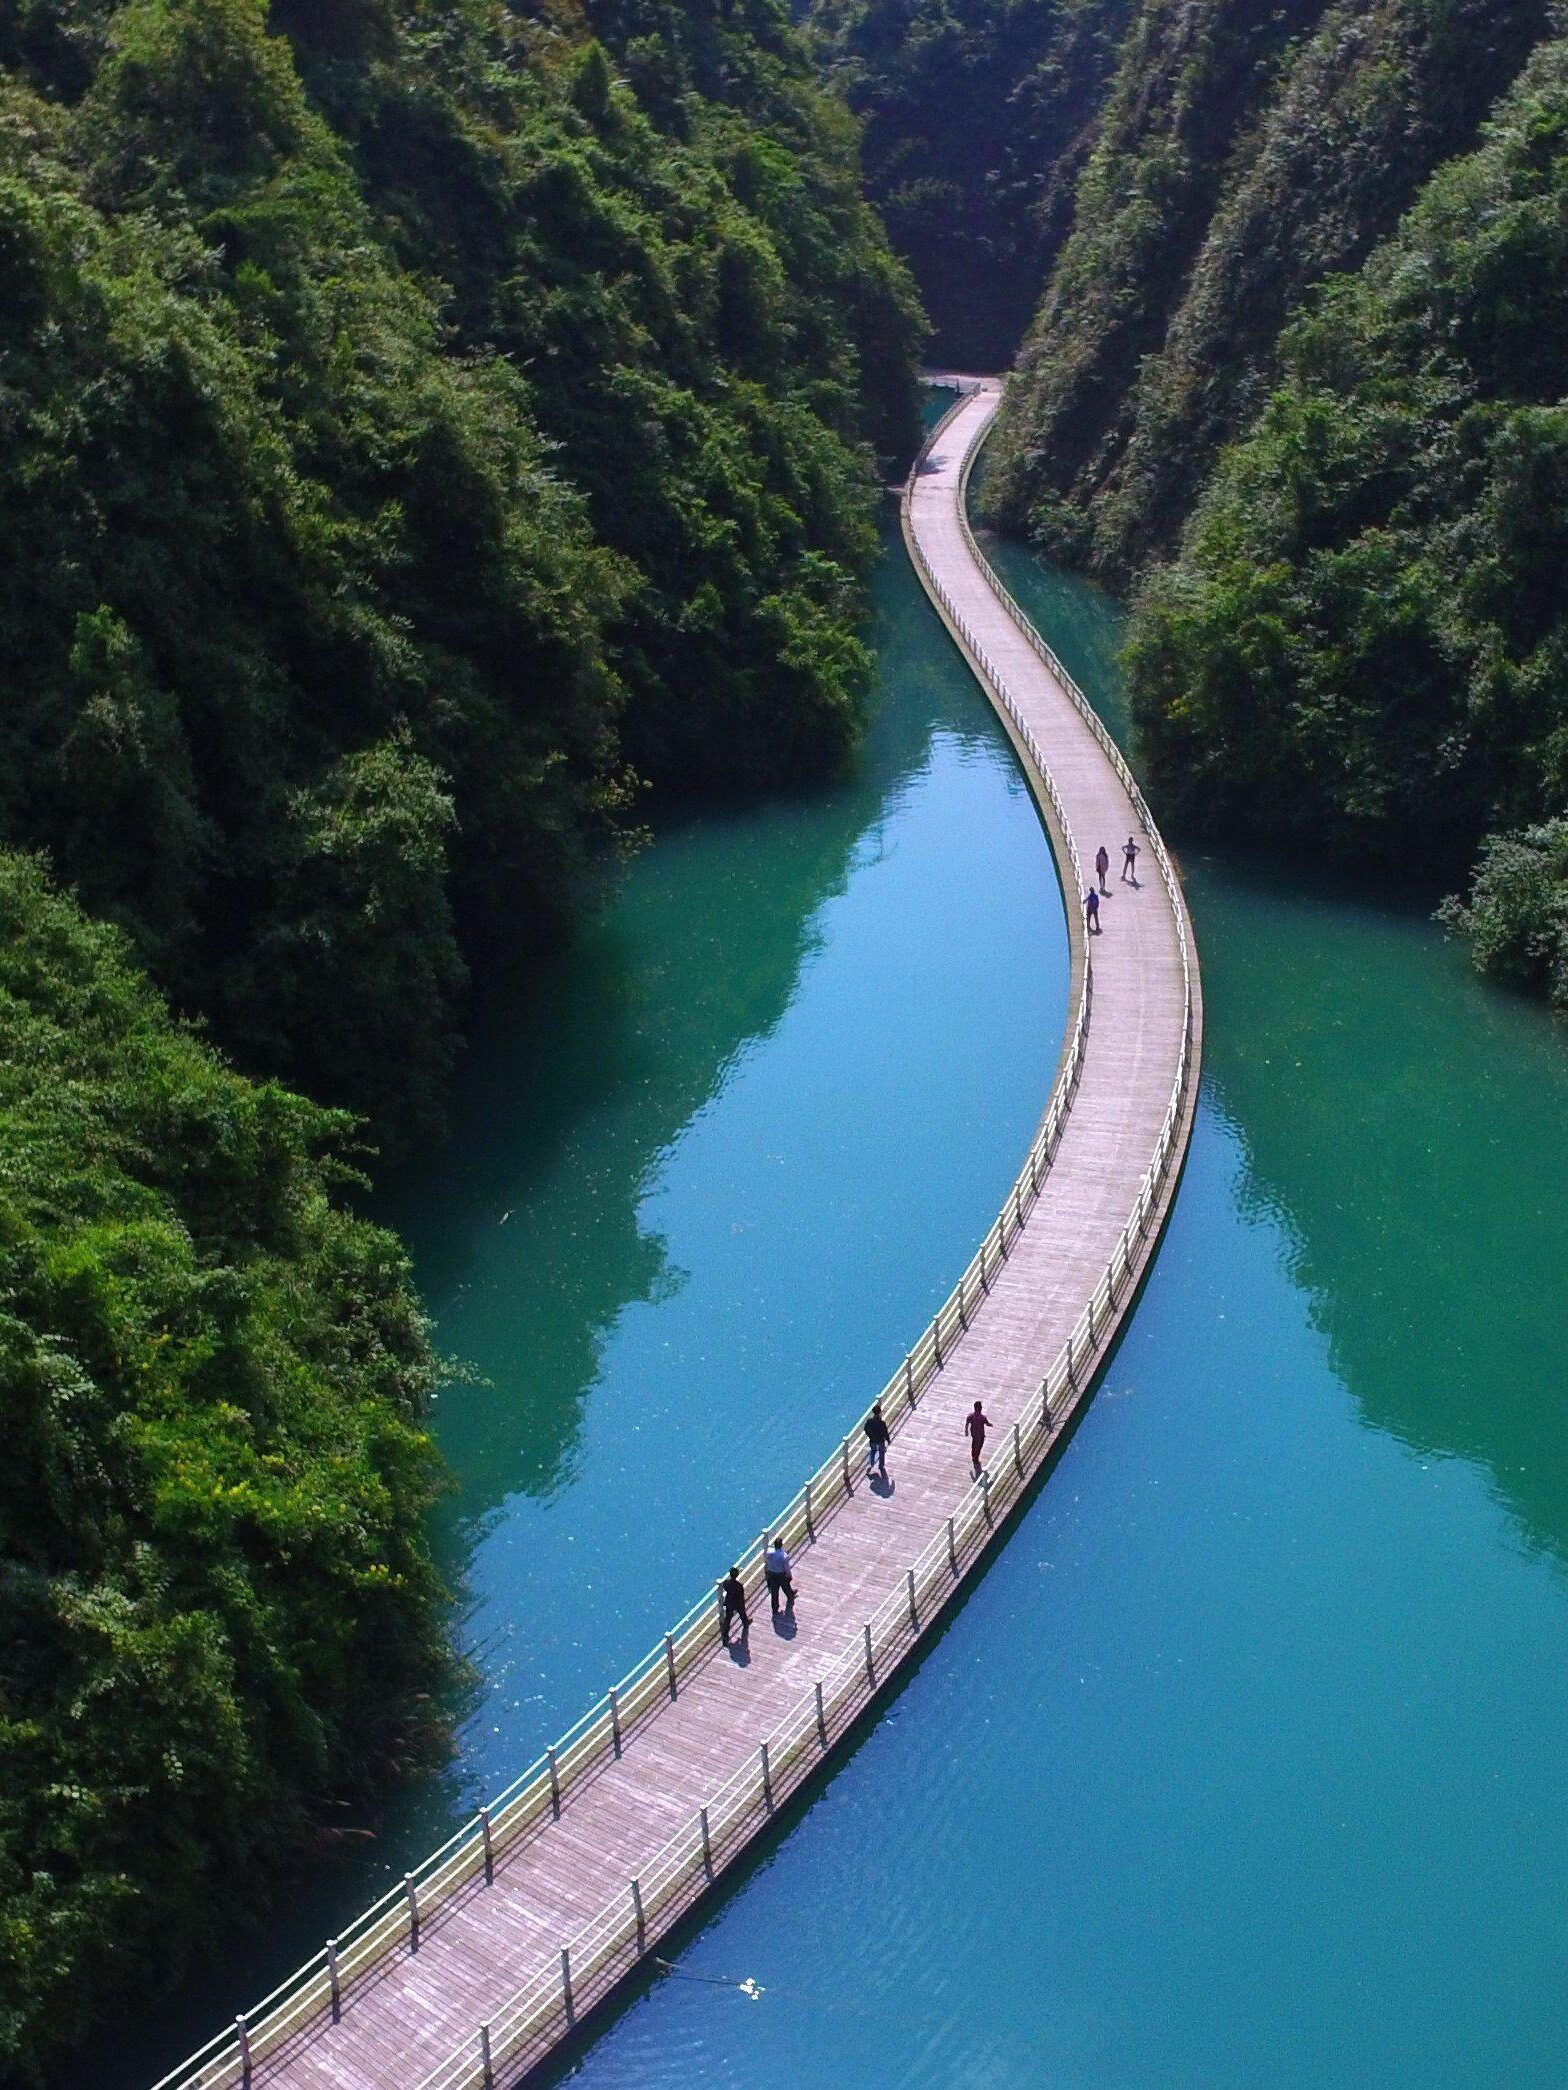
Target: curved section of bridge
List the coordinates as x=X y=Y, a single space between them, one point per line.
x=505 y=1939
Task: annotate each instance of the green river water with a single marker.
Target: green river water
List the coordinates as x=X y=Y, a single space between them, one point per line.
x=1244 y=1760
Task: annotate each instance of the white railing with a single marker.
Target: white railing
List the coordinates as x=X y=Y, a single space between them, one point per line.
x=688 y=1861
x=617 y=1937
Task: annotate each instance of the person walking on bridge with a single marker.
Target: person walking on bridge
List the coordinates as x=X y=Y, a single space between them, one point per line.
x=1130 y=859
x=1091 y=910
x=781 y=1583
x=1102 y=867
x=977 y=1422
x=877 y=1435
x=733 y=1592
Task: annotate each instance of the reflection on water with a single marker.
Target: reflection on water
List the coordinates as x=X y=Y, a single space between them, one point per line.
x=1405 y=1125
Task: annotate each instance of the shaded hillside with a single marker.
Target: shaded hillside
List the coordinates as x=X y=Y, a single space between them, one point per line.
x=417 y=422
x=978 y=116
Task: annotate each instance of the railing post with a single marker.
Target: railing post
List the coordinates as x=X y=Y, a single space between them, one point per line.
x=484 y=1830
x=566 y=1983
x=985 y=1490
x=485 y=2062
x=914 y=1614
x=333 y=1982
x=615 y=1720
x=984 y=1284
x=1091 y=1320
x=849 y=1485
x=242 y=2035
x=811 y=1529
x=936 y=1339
x=822 y=1719
x=1045 y=1405
x=909 y=1380
x=1018 y=1452
x=707 y=1843
x=637 y=1913
x=871 y=1667
x=767 y=1778
x=1070 y=1367
x=963 y=1317
x=555 y=1780
x=952 y=1547
x=669 y=1663
x=413 y=1911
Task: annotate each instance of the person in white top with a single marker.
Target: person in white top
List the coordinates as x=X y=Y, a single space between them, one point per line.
x=781 y=1581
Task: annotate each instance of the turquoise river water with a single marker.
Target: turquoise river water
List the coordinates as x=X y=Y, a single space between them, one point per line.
x=1244 y=1760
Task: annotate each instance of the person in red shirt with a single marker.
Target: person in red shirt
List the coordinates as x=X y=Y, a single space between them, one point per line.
x=977 y=1422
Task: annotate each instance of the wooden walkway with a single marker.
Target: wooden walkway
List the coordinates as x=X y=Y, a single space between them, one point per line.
x=880 y=1561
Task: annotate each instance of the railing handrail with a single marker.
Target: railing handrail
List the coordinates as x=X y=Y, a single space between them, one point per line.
x=536 y=2005
x=543 y=1785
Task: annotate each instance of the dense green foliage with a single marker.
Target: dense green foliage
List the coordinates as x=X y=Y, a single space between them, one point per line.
x=1365 y=640
x=1517 y=914
x=1247 y=150
x=215 y=1593
x=978 y=117
x=411 y=420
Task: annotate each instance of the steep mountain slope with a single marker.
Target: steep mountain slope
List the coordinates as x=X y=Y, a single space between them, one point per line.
x=417 y=412
x=1247 y=152
x=1364 y=641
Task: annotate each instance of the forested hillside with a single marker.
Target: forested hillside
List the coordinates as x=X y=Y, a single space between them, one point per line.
x=422 y=419
x=978 y=117
x=1293 y=380
x=1365 y=641
x=216 y=1595
x=1247 y=150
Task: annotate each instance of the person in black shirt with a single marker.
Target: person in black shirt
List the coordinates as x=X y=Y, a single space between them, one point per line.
x=877 y=1435
x=733 y=1592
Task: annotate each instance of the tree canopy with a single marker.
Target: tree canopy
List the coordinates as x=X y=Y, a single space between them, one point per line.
x=216 y=1593
x=421 y=421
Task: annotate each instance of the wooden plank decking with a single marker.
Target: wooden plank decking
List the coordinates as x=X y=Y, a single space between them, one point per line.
x=413 y=2015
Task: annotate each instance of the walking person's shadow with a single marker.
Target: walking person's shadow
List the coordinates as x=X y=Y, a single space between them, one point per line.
x=738 y=1651
x=784 y=1624
x=881 y=1484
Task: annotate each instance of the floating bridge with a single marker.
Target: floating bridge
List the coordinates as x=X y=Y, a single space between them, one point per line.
x=503 y=1941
